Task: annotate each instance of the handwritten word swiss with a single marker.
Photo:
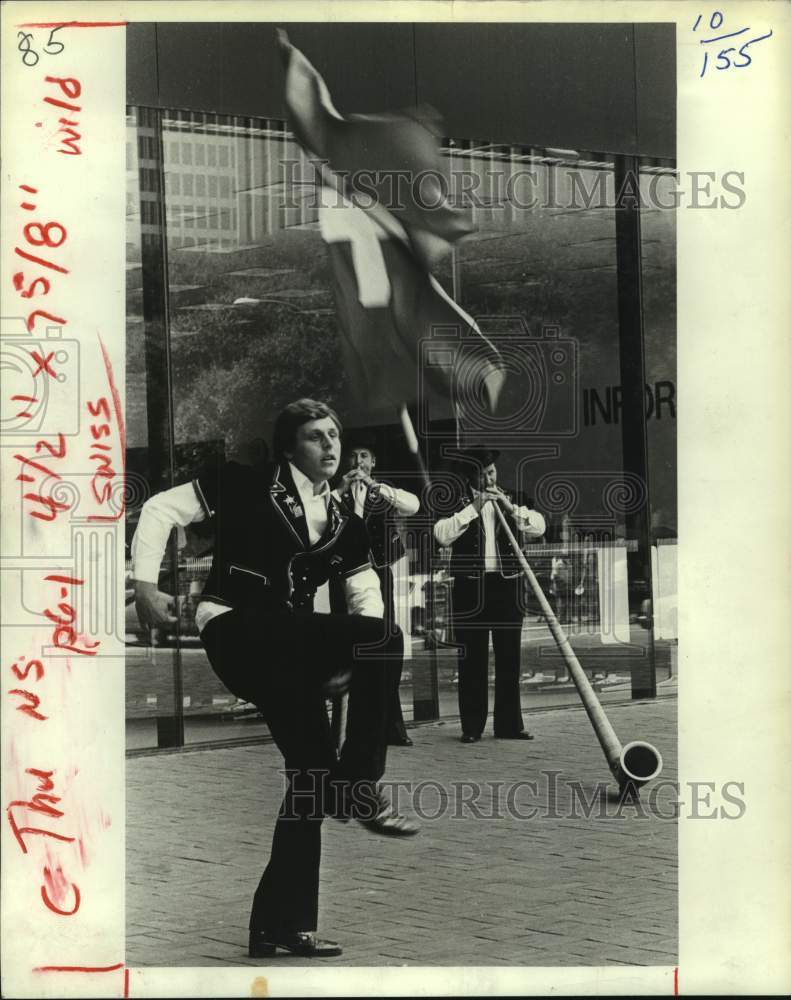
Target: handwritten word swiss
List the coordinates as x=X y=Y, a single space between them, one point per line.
x=99 y=449
x=111 y=414
x=723 y=57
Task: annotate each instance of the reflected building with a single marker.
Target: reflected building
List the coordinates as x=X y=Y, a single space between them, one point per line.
x=230 y=315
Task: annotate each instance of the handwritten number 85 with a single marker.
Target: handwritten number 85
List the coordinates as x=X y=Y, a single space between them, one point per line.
x=29 y=55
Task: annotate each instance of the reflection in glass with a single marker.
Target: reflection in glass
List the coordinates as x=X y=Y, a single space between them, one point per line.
x=251 y=326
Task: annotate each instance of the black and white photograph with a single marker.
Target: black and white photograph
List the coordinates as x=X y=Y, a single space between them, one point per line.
x=389 y=499
x=401 y=342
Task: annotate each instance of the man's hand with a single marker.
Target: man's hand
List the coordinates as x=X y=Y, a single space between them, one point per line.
x=153 y=607
x=363 y=477
x=501 y=498
x=479 y=498
x=352 y=476
x=337 y=684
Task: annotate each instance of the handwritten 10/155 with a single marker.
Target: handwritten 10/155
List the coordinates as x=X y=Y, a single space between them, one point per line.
x=723 y=57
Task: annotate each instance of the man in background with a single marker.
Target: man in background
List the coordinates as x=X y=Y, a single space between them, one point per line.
x=377 y=503
x=487 y=589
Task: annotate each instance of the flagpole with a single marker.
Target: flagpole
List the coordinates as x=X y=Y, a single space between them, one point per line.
x=412 y=443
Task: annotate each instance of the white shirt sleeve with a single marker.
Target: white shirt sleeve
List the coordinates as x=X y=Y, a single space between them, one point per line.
x=404 y=502
x=529 y=522
x=448 y=529
x=364 y=595
x=176 y=507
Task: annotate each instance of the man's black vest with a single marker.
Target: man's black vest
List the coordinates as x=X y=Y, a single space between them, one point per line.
x=469 y=550
x=379 y=516
x=263 y=558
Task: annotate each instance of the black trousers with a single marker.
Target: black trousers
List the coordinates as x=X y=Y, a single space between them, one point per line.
x=395 y=728
x=482 y=605
x=279 y=661
x=392 y=652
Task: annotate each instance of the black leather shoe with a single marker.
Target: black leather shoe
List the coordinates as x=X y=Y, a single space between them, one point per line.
x=388 y=822
x=469 y=738
x=400 y=741
x=263 y=944
x=525 y=735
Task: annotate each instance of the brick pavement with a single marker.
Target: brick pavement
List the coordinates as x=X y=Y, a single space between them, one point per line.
x=555 y=889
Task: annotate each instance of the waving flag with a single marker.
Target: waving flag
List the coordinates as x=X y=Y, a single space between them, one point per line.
x=388 y=304
x=382 y=247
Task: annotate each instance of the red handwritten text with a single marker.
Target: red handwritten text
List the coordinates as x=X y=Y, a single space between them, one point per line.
x=51 y=507
x=72 y=89
x=56 y=889
x=105 y=473
x=48 y=236
x=31 y=701
x=64 y=636
x=102 y=408
x=42 y=801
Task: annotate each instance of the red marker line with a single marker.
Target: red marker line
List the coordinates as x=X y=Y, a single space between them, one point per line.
x=79 y=968
x=62 y=104
x=74 y=24
x=40 y=468
x=675 y=981
x=126 y=983
x=40 y=260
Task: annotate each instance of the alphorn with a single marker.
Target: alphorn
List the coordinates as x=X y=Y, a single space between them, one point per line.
x=631 y=765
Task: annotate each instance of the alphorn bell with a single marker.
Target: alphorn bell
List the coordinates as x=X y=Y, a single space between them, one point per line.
x=631 y=765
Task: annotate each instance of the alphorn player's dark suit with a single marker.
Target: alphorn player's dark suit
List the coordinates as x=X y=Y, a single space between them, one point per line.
x=487 y=597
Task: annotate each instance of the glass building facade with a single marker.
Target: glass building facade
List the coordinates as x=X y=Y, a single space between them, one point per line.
x=230 y=316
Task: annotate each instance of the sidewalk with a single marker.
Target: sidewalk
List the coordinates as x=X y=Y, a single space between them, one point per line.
x=556 y=889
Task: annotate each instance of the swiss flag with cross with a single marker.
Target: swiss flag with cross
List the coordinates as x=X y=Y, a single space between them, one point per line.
x=381 y=248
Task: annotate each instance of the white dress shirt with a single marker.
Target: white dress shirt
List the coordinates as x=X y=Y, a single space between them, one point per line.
x=180 y=506
x=529 y=522
x=405 y=503
x=314 y=504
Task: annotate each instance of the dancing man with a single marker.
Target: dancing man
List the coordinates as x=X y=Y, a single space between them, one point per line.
x=280 y=534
